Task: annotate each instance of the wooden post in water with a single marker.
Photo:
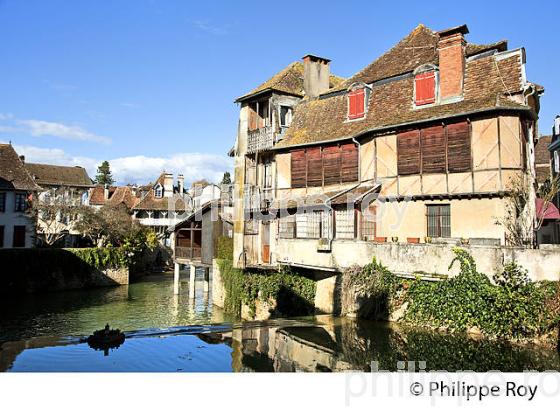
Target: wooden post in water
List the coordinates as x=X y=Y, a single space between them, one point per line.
x=192 y=278
x=176 y=278
x=206 y=279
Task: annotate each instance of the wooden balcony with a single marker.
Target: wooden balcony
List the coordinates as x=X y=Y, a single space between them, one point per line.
x=188 y=253
x=261 y=139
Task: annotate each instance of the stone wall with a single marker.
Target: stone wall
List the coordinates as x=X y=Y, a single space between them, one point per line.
x=44 y=270
x=405 y=258
x=218 y=290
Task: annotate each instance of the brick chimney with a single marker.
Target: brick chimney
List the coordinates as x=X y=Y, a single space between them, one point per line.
x=316 y=75
x=451 y=49
x=168 y=184
x=181 y=184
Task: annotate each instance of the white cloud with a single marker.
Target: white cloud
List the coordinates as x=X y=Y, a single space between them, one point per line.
x=6 y=116
x=39 y=128
x=137 y=169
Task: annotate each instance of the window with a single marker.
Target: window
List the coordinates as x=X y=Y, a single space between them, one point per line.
x=436 y=149
x=285 y=116
x=267 y=174
x=258 y=115
x=21 y=203
x=367 y=223
x=19 y=236
x=356 y=103
x=439 y=221
x=319 y=166
x=556 y=163
x=2 y=202
x=1 y=236
x=345 y=224
x=425 y=88
x=287 y=227
x=158 y=191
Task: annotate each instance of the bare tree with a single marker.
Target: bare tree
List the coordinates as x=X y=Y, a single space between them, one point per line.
x=547 y=192
x=55 y=216
x=517 y=221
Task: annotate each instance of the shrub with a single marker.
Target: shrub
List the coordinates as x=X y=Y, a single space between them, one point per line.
x=513 y=309
x=294 y=293
x=224 y=248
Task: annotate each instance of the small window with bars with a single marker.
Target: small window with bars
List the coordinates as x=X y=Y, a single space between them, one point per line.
x=439 y=221
x=367 y=224
x=345 y=223
x=287 y=227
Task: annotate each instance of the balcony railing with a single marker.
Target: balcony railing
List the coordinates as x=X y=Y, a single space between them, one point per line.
x=260 y=139
x=188 y=253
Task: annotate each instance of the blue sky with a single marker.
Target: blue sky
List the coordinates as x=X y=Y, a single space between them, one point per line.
x=149 y=84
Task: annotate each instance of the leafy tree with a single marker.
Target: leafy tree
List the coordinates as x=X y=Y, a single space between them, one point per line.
x=104 y=176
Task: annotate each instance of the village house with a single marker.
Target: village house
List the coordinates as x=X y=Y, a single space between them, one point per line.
x=420 y=146
x=547 y=164
x=126 y=195
x=17 y=187
x=67 y=186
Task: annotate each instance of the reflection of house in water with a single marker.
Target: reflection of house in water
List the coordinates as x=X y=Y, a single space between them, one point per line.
x=194 y=240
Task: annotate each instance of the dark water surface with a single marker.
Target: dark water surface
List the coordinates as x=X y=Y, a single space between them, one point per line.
x=167 y=333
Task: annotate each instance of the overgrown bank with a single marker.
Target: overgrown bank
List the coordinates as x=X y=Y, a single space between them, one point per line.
x=511 y=307
x=281 y=293
x=47 y=269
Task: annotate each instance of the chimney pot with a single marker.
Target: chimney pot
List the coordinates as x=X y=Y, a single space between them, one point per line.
x=316 y=75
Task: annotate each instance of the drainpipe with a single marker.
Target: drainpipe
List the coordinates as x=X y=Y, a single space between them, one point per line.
x=529 y=91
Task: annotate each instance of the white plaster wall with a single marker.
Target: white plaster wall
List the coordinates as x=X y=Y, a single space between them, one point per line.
x=9 y=219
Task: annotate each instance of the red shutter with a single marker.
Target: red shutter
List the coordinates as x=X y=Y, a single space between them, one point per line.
x=314 y=167
x=356 y=104
x=433 y=149
x=349 y=160
x=425 y=86
x=331 y=165
x=408 y=152
x=459 y=147
x=299 y=174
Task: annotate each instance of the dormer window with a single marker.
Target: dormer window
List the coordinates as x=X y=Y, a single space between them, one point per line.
x=425 y=80
x=158 y=191
x=357 y=102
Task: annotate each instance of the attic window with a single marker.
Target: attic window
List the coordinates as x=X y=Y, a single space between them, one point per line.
x=425 y=87
x=356 y=103
x=285 y=116
x=158 y=191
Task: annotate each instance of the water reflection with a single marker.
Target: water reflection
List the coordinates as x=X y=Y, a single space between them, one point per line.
x=171 y=333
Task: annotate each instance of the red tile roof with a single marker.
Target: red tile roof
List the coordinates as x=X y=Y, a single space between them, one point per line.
x=488 y=84
x=13 y=174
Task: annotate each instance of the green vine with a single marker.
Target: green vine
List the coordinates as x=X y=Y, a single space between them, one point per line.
x=293 y=293
x=103 y=258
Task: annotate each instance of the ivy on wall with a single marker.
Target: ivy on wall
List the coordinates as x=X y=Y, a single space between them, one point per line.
x=295 y=294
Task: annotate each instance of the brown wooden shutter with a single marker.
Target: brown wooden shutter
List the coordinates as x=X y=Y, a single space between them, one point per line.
x=252 y=118
x=349 y=162
x=458 y=147
x=299 y=173
x=356 y=105
x=331 y=165
x=314 y=167
x=433 y=149
x=408 y=152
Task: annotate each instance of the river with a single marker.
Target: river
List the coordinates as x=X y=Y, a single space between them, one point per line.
x=172 y=333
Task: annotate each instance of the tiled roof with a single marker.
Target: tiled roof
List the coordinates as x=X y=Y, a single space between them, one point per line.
x=542 y=159
x=13 y=174
x=416 y=49
x=488 y=83
x=46 y=174
x=117 y=195
x=151 y=203
x=289 y=81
